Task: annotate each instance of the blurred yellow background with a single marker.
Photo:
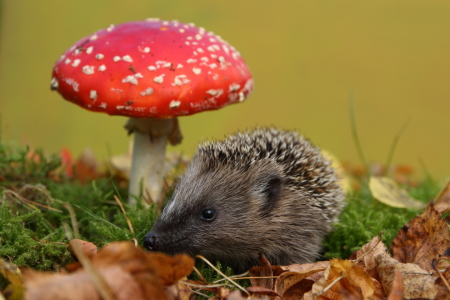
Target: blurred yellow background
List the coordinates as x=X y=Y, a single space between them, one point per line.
x=306 y=57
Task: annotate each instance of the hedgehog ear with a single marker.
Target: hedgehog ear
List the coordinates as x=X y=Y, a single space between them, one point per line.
x=270 y=186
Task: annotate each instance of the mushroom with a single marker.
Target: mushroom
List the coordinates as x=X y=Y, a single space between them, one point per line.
x=151 y=71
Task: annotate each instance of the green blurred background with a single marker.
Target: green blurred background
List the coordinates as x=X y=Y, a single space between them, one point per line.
x=306 y=57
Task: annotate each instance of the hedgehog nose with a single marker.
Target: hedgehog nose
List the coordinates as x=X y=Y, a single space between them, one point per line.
x=150 y=241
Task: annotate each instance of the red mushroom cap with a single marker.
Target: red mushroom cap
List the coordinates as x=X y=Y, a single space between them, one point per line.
x=152 y=68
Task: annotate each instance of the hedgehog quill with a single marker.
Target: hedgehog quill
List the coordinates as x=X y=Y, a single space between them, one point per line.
x=265 y=191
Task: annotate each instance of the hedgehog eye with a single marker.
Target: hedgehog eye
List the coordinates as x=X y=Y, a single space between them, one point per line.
x=208 y=215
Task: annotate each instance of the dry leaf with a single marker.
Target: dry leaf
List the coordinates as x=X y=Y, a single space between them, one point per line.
x=129 y=271
x=369 y=250
x=422 y=239
x=317 y=265
x=397 y=287
x=66 y=161
x=443 y=287
x=443 y=199
x=417 y=282
x=387 y=191
x=343 y=276
x=171 y=268
x=263 y=270
x=295 y=282
x=12 y=274
x=86 y=166
x=89 y=249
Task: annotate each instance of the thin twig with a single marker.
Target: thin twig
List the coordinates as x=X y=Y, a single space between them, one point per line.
x=225 y=276
x=73 y=220
x=434 y=265
x=124 y=213
x=330 y=285
x=199 y=274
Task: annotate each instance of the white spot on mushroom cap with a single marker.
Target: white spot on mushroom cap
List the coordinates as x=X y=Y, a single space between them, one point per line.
x=93 y=95
x=215 y=93
x=187 y=43
x=163 y=64
x=127 y=58
x=88 y=70
x=54 y=83
x=102 y=68
x=152 y=68
x=198 y=37
x=103 y=105
x=212 y=40
x=200 y=50
x=89 y=49
x=99 y=56
x=179 y=66
x=189 y=38
x=110 y=28
x=174 y=104
x=76 y=62
x=75 y=85
x=181 y=30
x=67 y=61
x=146 y=50
x=116 y=58
x=196 y=71
x=159 y=79
x=77 y=51
x=233 y=87
x=93 y=37
x=147 y=92
x=191 y=61
x=213 y=65
x=180 y=79
x=165 y=23
x=132 y=78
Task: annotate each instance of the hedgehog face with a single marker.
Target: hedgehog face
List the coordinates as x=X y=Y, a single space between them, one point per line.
x=212 y=206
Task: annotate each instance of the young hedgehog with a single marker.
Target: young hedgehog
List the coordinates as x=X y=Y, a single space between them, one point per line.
x=265 y=191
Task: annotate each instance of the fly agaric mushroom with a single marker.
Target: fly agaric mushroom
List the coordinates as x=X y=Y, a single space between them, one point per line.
x=151 y=71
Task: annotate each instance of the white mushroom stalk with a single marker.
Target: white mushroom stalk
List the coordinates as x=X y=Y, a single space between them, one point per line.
x=148 y=157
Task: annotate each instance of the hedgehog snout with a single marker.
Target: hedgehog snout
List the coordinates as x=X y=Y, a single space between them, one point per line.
x=150 y=241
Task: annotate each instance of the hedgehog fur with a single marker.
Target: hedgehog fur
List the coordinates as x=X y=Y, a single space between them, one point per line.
x=265 y=191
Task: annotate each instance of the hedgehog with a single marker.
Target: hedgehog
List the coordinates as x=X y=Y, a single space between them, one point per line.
x=263 y=191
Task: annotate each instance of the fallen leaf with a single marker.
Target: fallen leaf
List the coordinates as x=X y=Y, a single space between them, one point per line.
x=317 y=265
x=368 y=253
x=86 y=166
x=171 y=268
x=15 y=289
x=89 y=249
x=418 y=283
x=289 y=282
x=129 y=271
x=443 y=199
x=343 y=276
x=397 y=287
x=78 y=285
x=66 y=161
x=344 y=180
x=387 y=191
x=423 y=239
x=263 y=270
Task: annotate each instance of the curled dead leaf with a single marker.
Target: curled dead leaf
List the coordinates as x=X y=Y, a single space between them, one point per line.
x=365 y=257
x=423 y=239
x=397 y=287
x=343 y=277
x=418 y=283
x=89 y=249
x=264 y=270
x=385 y=190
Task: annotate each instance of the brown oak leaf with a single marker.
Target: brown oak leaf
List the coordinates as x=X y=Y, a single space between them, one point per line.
x=422 y=239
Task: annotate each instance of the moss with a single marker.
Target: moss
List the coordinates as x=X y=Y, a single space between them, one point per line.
x=364 y=217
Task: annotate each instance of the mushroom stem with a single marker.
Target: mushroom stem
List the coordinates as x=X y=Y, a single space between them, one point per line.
x=147 y=166
x=149 y=156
